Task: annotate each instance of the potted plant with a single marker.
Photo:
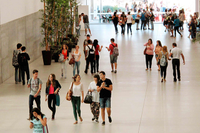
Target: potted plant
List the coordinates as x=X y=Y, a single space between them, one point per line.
x=58 y=23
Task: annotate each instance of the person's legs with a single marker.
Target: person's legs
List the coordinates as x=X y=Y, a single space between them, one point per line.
x=62 y=68
x=16 y=74
x=103 y=114
x=115 y=66
x=131 y=28
x=20 y=74
x=73 y=100
x=161 y=71
x=175 y=31
x=108 y=111
x=146 y=57
x=23 y=75
x=150 y=60
x=97 y=62
x=178 y=31
x=27 y=73
x=79 y=107
x=152 y=25
x=116 y=29
x=92 y=65
x=65 y=69
x=31 y=98
x=37 y=100
x=111 y=62
x=178 y=69
x=96 y=112
x=92 y=107
x=74 y=68
x=78 y=67
x=174 y=68
x=50 y=100
x=87 y=65
x=165 y=71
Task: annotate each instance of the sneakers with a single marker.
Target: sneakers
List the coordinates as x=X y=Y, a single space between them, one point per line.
x=110 y=119
x=112 y=71
x=175 y=80
x=93 y=119
x=103 y=123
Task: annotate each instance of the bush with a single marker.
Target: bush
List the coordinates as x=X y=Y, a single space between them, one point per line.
x=113 y=8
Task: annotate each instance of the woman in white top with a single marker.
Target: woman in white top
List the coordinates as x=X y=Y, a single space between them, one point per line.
x=95 y=97
x=77 y=89
x=129 y=23
x=77 y=57
x=137 y=20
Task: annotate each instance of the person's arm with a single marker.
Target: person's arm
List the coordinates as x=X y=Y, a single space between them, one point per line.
x=183 y=59
x=31 y=125
x=86 y=54
x=28 y=58
x=159 y=55
x=40 y=87
x=43 y=121
x=146 y=44
x=108 y=48
x=58 y=87
x=82 y=92
x=100 y=48
x=108 y=88
x=151 y=46
x=99 y=88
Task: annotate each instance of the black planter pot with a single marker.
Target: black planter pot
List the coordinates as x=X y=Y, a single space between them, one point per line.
x=46 y=57
x=56 y=57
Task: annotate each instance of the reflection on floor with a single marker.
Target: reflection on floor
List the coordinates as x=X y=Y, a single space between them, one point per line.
x=140 y=102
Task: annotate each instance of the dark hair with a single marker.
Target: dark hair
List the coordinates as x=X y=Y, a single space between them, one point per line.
x=38 y=112
x=151 y=40
x=23 y=48
x=112 y=39
x=174 y=44
x=88 y=35
x=79 y=16
x=159 y=43
x=89 y=42
x=129 y=13
x=175 y=17
x=97 y=76
x=82 y=13
x=165 y=10
x=95 y=43
x=151 y=9
x=35 y=71
x=76 y=77
x=139 y=10
x=19 y=45
x=102 y=72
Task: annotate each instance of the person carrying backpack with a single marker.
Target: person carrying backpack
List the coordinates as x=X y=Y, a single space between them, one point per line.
x=23 y=59
x=90 y=56
x=143 y=20
x=163 y=59
x=114 y=53
x=15 y=63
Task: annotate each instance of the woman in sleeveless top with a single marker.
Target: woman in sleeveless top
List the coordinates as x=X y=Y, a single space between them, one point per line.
x=123 y=21
x=115 y=21
x=77 y=57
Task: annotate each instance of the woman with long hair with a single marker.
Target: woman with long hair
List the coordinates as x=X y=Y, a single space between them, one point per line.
x=157 y=51
x=77 y=56
x=77 y=88
x=97 y=50
x=163 y=62
x=115 y=19
x=149 y=53
x=38 y=121
x=129 y=22
x=64 y=62
x=123 y=22
x=95 y=98
x=52 y=89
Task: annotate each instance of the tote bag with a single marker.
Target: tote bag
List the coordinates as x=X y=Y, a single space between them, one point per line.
x=57 y=100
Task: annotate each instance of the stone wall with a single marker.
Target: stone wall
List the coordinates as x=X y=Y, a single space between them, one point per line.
x=25 y=30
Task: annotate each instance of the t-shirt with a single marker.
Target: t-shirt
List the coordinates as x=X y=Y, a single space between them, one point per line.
x=87 y=49
x=37 y=125
x=85 y=19
x=97 y=50
x=95 y=94
x=23 y=59
x=105 y=93
x=176 y=52
x=111 y=48
x=129 y=19
x=34 y=85
x=76 y=55
x=138 y=14
x=76 y=89
x=51 y=89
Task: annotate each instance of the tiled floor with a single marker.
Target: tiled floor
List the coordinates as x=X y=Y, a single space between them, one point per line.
x=140 y=102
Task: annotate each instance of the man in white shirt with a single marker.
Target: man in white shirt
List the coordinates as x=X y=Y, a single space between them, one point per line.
x=175 y=54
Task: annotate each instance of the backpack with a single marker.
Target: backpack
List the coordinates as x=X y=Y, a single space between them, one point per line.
x=15 y=62
x=152 y=17
x=143 y=16
x=115 y=50
x=91 y=52
x=163 y=60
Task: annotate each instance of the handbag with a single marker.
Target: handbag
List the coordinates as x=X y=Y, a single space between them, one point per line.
x=133 y=21
x=72 y=61
x=88 y=98
x=57 y=100
x=61 y=58
x=137 y=20
x=69 y=94
x=45 y=129
x=145 y=51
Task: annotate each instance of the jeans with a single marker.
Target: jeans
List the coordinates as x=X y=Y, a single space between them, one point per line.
x=31 y=99
x=64 y=68
x=96 y=64
x=123 y=28
x=152 y=25
x=76 y=104
x=25 y=69
x=79 y=31
x=149 y=60
x=76 y=66
x=17 y=74
x=176 y=29
x=129 y=27
x=116 y=29
x=95 y=109
x=52 y=104
x=163 y=70
x=105 y=102
x=142 y=24
x=193 y=34
x=176 y=67
x=91 y=62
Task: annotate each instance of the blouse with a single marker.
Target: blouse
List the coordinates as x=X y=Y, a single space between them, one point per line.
x=76 y=56
x=76 y=89
x=37 y=125
x=150 y=48
x=95 y=94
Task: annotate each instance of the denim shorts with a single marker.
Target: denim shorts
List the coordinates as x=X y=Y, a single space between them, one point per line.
x=86 y=25
x=105 y=102
x=113 y=59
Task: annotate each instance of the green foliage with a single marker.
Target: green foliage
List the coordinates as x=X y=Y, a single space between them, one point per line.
x=113 y=8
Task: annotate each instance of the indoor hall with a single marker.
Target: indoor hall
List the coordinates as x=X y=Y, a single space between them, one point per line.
x=140 y=102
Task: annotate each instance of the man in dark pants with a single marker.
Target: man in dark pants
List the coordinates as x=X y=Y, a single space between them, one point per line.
x=175 y=54
x=90 y=56
x=23 y=59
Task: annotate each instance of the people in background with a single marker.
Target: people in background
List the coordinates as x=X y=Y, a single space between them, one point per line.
x=129 y=22
x=86 y=23
x=157 y=51
x=115 y=19
x=77 y=56
x=97 y=50
x=149 y=54
x=64 y=62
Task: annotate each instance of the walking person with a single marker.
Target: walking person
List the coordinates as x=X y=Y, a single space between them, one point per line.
x=137 y=20
x=35 y=85
x=147 y=17
x=104 y=86
x=113 y=59
x=97 y=50
x=90 y=57
x=175 y=54
x=15 y=63
x=77 y=56
x=123 y=21
x=152 y=17
x=79 y=26
x=38 y=121
x=86 y=23
x=85 y=43
x=163 y=59
x=95 y=98
x=115 y=19
x=23 y=59
x=149 y=53
x=77 y=88
x=157 y=51
x=52 y=89
x=143 y=20
x=129 y=23
x=176 y=26
x=64 y=62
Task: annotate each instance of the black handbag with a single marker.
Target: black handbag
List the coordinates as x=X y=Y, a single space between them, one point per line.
x=88 y=98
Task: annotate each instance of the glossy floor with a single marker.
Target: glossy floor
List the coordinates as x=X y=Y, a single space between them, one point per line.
x=140 y=102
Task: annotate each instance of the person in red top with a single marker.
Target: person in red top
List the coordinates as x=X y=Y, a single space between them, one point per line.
x=97 y=50
x=113 y=59
x=64 y=63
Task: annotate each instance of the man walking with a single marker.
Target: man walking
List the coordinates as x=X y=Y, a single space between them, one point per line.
x=175 y=54
x=86 y=23
x=104 y=86
x=85 y=43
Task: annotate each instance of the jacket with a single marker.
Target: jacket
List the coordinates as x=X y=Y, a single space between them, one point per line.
x=55 y=88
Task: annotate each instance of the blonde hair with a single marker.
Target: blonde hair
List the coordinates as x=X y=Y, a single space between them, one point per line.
x=164 y=49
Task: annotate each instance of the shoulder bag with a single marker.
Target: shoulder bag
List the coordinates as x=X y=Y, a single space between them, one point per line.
x=72 y=61
x=69 y=93
x=57 y=100
x=145 y=50
x=61 y=58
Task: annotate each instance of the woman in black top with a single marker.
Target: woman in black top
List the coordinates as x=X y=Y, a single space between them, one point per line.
x=52 y=89
x=115 y=20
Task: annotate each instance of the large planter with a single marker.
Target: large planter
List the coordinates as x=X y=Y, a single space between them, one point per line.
x=46 y=57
